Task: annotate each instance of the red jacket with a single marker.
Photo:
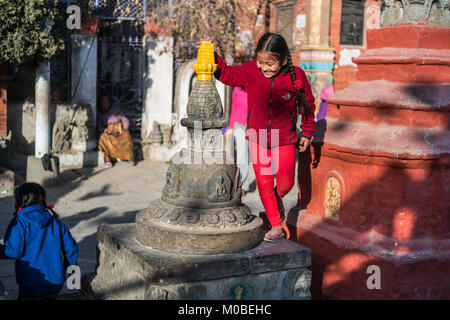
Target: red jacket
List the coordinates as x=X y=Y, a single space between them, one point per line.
x=271 y=102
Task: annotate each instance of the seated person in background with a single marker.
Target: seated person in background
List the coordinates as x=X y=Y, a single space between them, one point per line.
x=112 y=128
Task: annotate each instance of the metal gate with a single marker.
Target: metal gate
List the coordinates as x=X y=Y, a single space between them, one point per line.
x=121 y=57
x=120 y=76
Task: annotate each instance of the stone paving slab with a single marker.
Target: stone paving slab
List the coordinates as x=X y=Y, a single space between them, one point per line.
x=90 y=197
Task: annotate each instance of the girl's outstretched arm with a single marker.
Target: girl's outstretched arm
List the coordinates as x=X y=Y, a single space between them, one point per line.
x=230 y=75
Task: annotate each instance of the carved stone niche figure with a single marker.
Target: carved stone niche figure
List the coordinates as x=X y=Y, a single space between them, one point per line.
x=172 y=186
x=61 y=135
x=219 y=187
x=169 y=184
x=391 y=12
x=83 y=128
x=332 y=198
x=221 y=191
x=74 y=129
x=213 y=108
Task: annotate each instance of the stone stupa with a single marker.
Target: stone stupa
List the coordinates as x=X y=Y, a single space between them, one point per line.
x=200 y=210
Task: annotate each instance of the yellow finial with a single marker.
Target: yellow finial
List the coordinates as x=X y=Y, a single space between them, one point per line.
x=205 y=66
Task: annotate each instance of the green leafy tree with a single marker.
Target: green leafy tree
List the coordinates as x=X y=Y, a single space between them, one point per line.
x=27 y=32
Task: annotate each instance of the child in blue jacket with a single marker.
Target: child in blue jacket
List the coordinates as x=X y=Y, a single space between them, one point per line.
x=41 y=244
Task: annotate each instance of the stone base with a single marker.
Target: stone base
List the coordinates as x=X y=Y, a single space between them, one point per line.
x=159 y=152
x=37 y=173
x=81 y=159
x=126 y=270
x=170 y=228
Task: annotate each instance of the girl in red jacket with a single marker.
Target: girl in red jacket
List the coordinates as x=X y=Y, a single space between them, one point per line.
x=277 y=92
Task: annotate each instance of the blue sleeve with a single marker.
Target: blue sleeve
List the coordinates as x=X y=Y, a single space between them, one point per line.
x=14 y=241
x=70 y=246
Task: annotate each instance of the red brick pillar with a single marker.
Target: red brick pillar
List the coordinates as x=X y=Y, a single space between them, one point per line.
x=3 y=112
x=379 y=195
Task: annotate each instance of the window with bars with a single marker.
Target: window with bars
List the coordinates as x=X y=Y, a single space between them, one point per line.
x=352 y=22
x=284 y=20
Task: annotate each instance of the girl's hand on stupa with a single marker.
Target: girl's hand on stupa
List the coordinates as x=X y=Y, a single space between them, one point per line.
x=203 y=39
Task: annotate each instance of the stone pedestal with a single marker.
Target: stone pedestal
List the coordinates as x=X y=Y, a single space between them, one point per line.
x=127 y=270
x=37 y=173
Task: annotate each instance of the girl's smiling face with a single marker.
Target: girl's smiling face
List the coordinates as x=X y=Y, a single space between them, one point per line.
x=268 y=64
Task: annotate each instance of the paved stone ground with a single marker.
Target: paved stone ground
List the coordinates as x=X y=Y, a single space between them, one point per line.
x=89 y=197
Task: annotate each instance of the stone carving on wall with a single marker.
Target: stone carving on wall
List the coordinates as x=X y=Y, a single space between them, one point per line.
x=332 y=198
x=62 y=133
x=302 y=284
x=83 y=131
x=435 y=12
x=74 y=129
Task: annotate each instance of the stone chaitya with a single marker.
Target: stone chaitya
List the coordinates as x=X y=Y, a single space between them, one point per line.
x=200 y=210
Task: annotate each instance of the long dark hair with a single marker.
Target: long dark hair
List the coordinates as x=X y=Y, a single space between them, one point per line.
x=29 y=194
x=275 y=45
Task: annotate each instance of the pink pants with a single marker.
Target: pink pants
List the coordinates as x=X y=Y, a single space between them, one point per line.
x=283 y=160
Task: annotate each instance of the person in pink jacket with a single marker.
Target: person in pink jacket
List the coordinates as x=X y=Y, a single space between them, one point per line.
x=236 y=131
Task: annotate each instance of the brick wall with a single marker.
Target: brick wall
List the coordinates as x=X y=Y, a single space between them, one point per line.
x=299 y=30
x=345 y=73
x=249 y=23
x=250 y=20
x=3 y=128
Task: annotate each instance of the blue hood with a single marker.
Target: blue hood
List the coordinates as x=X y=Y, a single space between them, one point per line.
x=37 y=214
